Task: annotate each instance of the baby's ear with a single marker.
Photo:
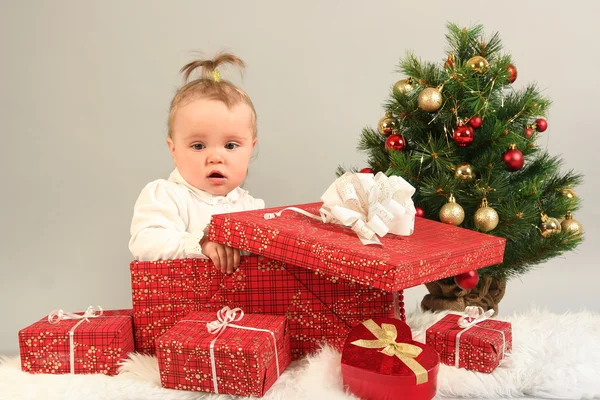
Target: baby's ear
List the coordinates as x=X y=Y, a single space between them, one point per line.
x=171 y=148
x=254 y=142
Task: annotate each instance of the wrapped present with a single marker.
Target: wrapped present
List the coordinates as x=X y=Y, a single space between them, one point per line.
x=90 y=342
x=471 y=340
x=432 y=252
x=381 y=361
x=319 y=308
x=234 y=354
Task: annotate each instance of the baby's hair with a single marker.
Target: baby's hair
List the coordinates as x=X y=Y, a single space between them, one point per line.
x=210 y=86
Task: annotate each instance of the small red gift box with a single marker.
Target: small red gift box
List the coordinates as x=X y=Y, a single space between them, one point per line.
x=380 y=361
x=234 y=354
x=434 y=251
x=77 y=343
x=470 y=340
x=319 y=308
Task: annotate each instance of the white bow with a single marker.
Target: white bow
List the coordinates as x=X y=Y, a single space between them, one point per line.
x=58 y=315
x=474 y=315
x=371 y=205
x=224 y=317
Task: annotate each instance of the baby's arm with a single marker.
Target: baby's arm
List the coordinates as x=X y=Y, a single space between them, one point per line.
x=157 y=230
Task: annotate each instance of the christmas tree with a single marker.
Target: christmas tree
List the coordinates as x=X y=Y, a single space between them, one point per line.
x=464 y=136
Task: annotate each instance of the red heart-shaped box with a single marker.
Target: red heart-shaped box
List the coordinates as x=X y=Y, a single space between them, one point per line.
x=371 y=374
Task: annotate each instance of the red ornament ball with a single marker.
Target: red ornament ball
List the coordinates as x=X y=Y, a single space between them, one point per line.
x=541 y=124
x=420 y=212
x=512 y=73
x=464 y=135
x=468 y=280
x=476 y=122
x=366 y=171
x=513 y=159
x=528 y=132
x=395 y=142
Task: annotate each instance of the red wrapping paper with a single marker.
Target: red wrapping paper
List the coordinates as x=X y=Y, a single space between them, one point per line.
x=98 y=344
x=434 y=251
x=319 y=308
x=481 y=347
x=245 y=361
x=372 y=375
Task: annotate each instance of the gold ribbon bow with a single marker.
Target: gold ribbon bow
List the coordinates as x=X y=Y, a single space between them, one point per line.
x=386 y=340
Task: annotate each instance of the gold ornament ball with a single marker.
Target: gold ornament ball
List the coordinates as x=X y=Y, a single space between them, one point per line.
x=549 y=227
x=430 y=99
x=387 y=125
x=452 y=213
x=568 y=193
x=486 y=218
x=464 y=172
x=402 y=87
x=478 y=64
x=571 y=225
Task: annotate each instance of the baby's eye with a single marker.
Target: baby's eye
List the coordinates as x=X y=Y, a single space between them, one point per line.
x=231 y=146
x=198 y=146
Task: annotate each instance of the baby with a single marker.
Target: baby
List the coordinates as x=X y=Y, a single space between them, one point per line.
x=212 y=131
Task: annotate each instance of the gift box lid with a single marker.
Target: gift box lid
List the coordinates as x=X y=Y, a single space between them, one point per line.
x=434 y=251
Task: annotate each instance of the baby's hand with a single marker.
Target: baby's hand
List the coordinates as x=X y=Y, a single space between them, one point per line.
x=225 y=258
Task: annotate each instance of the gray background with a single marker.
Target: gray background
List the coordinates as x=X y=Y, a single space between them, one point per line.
x=84 y=94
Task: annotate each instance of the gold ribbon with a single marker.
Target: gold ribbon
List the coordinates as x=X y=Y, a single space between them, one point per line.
x=386 y=339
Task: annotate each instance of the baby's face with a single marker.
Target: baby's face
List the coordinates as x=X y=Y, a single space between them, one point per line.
x=211 y=145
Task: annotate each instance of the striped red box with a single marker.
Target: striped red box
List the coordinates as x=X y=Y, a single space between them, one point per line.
x=98 y=345
x=246 y=362
x=319 y=308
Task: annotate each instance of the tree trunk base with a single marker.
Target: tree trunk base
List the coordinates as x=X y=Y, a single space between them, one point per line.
x=442 y=296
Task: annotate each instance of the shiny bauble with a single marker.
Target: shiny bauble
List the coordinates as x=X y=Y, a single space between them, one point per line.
x=513 y=158
x=464 y=172
x=486 y=218
x=395 y=142
x=420 y=212
x=476 y=122
x=541 y=124
x=387 y=124
x=430 y=99
x=402 y=87
x=571 y=225
x=528 y=132
x=512 y=73
x=366 y=171
x=549 y=226
x=568 y=193
x=467 y=280
x=452 y=213
x=463 y=135
x=478 y=64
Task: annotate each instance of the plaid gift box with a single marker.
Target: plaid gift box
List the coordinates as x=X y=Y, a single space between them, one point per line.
x=380 y=360
x=77 y=343
x=319 y=308
x=434 y=251
x=478 y=345
x=235 y=354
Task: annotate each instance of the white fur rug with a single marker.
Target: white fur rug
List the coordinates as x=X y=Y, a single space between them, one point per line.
x=554 y=356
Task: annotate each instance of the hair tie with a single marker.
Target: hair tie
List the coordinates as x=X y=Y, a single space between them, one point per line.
x=217 y=75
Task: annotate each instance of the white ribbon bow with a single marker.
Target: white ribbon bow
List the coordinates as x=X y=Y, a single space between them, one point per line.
x=224 y=317
x=58 y=315
x=370 y=205
x=474 y=315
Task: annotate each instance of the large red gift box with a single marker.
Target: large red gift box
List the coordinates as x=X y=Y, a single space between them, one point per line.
x=319 y=308
x=381 y=361
x=434 y=251
x=81 y=346
x=479 y=347
x=228 y=359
